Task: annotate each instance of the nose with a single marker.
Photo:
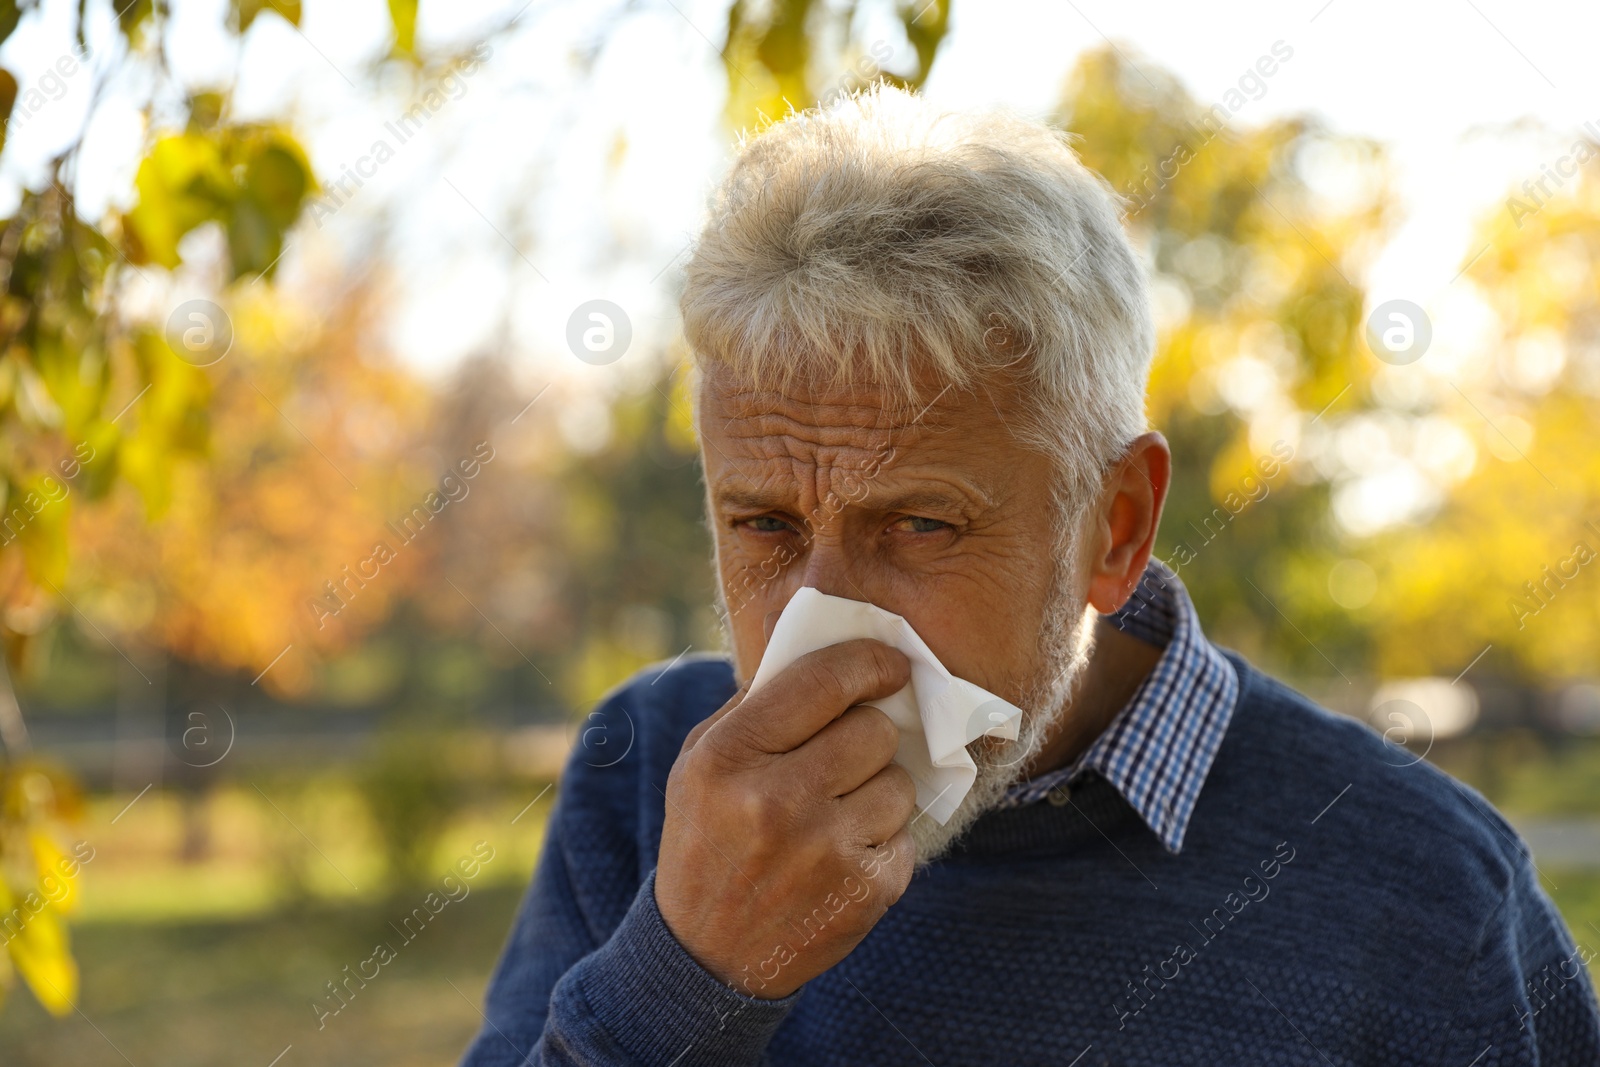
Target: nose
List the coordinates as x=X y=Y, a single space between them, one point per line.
x=832 y=567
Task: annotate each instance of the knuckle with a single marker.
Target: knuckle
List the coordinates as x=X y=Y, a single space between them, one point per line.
x=898 y=876
x=887 y=661
x=731 y=740
x=762 y=808
x=824 y=679
x=885 y=733
x=904 y=786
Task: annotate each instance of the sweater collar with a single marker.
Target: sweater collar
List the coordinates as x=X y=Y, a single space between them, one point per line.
x=1158 y=750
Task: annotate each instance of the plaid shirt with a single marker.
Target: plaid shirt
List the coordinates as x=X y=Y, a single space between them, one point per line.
x=1159 y=748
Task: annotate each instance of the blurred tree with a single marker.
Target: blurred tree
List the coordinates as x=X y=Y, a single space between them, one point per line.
x=89 y=396
x=1255 y=275
x=1512 y=557
x=272 y=543
x=1462 y=487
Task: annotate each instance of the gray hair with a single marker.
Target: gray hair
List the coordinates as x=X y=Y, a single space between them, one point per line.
x=857 y=243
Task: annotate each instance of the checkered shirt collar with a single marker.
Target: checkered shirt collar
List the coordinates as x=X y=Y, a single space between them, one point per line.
x=1159 y=748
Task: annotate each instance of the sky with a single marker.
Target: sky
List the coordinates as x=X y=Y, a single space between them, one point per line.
x=548 y=179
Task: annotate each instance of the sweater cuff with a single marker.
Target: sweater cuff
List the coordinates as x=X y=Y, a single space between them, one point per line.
x=663 y=1007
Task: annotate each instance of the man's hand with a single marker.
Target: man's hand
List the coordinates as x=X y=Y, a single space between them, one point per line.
x=785 y=838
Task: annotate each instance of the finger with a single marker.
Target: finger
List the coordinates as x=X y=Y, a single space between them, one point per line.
x=888 y=868
x=849 y=750
x=711 y=720
x=881 y=807
x=813 y=691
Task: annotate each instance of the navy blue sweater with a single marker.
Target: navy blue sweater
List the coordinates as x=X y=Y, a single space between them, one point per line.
x=1330 y=906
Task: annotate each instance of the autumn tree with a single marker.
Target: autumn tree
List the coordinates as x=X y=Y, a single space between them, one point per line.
x=94 y=395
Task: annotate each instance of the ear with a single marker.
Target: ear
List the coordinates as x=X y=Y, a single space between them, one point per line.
x=1124 y=530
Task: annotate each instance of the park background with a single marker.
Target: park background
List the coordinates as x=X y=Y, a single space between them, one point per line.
x=392 y=220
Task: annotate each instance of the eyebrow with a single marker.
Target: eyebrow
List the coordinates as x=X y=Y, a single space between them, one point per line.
x=912 y=500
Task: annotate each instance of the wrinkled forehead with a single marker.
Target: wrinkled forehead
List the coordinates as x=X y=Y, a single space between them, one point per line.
x=845 y=414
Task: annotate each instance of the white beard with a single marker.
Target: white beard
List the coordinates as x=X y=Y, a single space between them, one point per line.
x=1066 y=640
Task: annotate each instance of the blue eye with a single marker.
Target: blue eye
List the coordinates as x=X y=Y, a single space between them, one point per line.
x=767 y=524
x=919 y=524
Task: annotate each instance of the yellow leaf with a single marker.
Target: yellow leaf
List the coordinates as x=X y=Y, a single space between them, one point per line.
x=181 y=183
x=44 y=960
x=60 y=888
x=245 y=11
x=403 y=13
x=39 y=510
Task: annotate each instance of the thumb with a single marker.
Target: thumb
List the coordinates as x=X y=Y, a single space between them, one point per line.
x=711 y=720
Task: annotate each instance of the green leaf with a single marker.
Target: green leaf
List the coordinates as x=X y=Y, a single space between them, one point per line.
x=181 y=184
x=926 y=23
x=99 y=458
x=130 y=14
x=9 y=15
x=205 y=110
x=8 y=93
x=252 y=179
x=278 y=179
x=253 y=241
x=245 y=11
x=38 y=511
x=172 y=421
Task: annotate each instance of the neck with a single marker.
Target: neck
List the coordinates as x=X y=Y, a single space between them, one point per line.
x=1118 y=665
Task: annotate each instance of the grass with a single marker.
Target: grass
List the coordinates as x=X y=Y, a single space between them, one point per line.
x=218 y=959
x=238 y=992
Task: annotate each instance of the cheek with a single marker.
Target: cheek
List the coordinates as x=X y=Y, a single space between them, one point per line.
x=754 y=584
x=983 y=617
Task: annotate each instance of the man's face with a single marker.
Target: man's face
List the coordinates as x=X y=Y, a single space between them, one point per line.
x=938 y=515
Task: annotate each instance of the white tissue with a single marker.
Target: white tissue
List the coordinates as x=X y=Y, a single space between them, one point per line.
x=938 y=714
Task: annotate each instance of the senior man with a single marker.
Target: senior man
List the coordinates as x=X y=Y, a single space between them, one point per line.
x=922 y=342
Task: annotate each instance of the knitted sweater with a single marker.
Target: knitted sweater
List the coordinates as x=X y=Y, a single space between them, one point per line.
x=1330 y=906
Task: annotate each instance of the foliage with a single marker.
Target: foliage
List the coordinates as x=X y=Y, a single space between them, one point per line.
x=1510 y=558
x=411 y=793
x=73 y=367
x=790 y=54
x=1260 y=325
x=38 y=882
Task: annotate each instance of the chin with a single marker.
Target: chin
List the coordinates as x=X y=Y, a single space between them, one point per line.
x=1067 y=641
